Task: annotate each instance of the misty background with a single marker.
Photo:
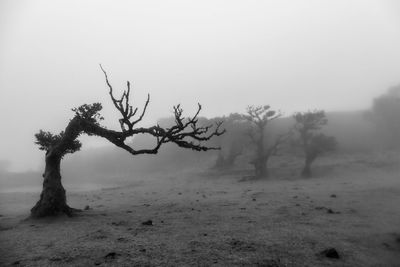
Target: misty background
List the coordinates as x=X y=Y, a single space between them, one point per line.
x=295 y=56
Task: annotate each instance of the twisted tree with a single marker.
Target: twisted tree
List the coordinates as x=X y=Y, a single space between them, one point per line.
x=259 y=117
x=312 y=142
x=185 y=133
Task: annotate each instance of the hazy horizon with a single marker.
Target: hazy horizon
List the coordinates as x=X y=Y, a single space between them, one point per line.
x=292 y=55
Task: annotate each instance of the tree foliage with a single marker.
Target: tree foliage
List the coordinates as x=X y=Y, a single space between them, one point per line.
x=46 y=140
x=308 y=124
x=385 y=114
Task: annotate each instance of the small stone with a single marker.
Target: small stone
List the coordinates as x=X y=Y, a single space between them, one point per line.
x=330 y=253
x=87 y=207
x=111 y=255
x=148 y=222
x=333 y=196
x=330 y=211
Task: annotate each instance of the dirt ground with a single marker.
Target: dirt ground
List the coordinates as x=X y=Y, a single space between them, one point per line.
x=217 y=219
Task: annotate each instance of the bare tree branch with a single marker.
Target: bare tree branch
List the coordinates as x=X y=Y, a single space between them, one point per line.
x=186 y=132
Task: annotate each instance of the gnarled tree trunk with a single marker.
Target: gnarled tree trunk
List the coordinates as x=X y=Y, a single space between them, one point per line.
x=52 y=199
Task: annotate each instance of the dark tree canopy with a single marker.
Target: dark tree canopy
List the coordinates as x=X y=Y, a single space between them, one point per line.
x=310 y=139
x=46 y=140
x=385 y=114
x=185 y=132
x=310 y=120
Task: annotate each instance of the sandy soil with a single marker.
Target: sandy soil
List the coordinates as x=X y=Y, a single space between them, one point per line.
x=214 y=219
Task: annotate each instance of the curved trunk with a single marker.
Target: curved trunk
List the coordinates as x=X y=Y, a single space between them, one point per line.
x=52 y=199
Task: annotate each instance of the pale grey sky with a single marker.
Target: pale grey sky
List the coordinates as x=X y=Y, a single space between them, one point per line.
x=294 y=55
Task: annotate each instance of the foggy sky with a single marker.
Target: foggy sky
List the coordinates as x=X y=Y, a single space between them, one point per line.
x=294 y=55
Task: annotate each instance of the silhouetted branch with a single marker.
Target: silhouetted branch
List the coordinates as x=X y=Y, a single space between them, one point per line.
x=185 y=133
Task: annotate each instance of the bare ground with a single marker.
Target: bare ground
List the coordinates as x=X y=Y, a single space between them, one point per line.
x=214 y=219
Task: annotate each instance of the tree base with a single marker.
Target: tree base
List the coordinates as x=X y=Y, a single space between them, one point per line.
x=41 y=210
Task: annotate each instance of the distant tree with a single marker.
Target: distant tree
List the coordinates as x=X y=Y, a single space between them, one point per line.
x=226 y=160
x=185 y=133
x=259 y=117
x=232 y=143
x=313 y=143
x=385 y=114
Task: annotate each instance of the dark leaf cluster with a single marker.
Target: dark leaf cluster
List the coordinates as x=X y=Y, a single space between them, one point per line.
x=310 y=120
x=89 y=112
x=307 y=126
x=260 y=115
x=47 y=140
